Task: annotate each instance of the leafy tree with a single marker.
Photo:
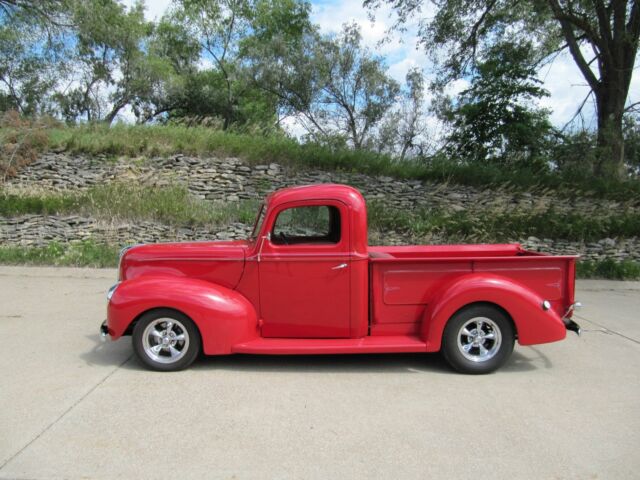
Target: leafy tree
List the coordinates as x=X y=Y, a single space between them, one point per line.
x=356 y=92
x=113 y=63
x=47 y=13
x=632 y=142
x=31 y=56
x=336 y=86
x=26 y=73
x=491 y=120
x=227 y=33
x=282 y=41
x=403 y=130
x=462 y=31
x=218 y=26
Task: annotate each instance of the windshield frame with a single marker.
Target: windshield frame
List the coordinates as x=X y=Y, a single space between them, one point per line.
x=257 y=225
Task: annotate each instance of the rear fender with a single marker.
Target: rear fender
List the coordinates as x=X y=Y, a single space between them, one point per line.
x=533 y=324
x=223 y=316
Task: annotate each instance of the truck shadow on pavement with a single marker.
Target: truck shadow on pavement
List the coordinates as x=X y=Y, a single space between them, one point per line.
x=114 y=353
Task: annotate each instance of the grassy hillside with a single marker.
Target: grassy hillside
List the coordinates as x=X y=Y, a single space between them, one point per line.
x=150 y=141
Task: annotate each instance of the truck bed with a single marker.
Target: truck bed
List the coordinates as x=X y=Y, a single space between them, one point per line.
x=403 y=280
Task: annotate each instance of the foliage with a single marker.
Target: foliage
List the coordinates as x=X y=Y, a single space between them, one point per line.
x=112 y=63
x=82 y=254
x=609 y=269
x=492 y=120
x=20 y=142
x=632 y=143
x=30 y=61
x=461 y=33
x=339 y=89
x=404 y=127
x=227 y=33
x=171 y=205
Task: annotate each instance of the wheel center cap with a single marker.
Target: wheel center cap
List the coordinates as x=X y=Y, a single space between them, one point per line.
x=165 y=340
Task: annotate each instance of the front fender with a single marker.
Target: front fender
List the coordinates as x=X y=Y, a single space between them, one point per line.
x=533 y=324
x=223 y=316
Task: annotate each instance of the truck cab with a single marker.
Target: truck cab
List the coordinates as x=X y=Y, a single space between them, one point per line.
x=306 y=281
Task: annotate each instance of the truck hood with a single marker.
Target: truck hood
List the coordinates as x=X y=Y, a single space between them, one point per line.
x=216 y=262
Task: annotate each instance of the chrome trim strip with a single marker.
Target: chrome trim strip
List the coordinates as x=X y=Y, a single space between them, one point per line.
x=192 y=259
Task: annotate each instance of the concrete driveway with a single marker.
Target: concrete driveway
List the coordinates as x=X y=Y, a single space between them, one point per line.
x=72 y=407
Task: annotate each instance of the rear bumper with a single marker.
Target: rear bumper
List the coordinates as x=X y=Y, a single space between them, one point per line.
x=571 y=325
x=568 y=322
x=104 y=331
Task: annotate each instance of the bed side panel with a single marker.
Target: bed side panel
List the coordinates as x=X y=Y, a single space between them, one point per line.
x=401 y=291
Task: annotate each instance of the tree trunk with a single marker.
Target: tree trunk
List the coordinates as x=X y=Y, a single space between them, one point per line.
x=610 y=154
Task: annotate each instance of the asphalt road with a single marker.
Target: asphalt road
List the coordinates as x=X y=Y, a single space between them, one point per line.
x=73 y=407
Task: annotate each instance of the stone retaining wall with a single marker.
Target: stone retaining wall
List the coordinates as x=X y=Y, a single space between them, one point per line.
x=230 y=180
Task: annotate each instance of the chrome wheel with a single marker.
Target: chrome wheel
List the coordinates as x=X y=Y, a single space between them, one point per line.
x=165 y=340
x=479 y=339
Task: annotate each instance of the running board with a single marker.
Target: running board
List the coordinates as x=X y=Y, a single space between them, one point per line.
x=319 y=346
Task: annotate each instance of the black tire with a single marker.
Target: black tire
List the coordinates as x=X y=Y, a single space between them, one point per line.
x=180 y=326
x=485 y=347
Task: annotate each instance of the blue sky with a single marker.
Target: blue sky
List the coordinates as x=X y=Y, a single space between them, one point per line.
x=562 y=78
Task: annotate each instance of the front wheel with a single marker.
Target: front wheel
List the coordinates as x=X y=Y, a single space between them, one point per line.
x=478 y=339
x=166 y=340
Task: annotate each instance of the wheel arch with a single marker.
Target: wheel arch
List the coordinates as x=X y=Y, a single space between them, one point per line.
x=522 y=305
x=222 y=316
x=129 y=330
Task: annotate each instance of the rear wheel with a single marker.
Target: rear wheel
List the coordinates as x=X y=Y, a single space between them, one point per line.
x=166 y=340
x=478 y=339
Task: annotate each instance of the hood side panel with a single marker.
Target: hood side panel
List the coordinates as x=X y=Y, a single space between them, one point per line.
x=221 y=263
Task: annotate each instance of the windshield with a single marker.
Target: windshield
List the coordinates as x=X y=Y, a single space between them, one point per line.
x=258 y=225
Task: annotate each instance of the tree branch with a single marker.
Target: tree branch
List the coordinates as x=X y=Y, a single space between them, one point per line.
x=578 y=111
x=574 y=48
x=632 y=107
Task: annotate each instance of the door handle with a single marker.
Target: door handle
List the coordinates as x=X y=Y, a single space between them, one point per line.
x=338 y=267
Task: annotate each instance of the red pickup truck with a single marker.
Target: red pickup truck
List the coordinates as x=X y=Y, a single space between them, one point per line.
x=307 y=282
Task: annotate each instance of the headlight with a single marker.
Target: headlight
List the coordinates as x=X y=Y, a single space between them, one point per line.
x=112 y=291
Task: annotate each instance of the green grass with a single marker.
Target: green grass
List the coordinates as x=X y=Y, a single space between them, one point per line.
x=91 y=254
x=158 y=140
x=82 y=254
x=609 y=269
x=171 y=205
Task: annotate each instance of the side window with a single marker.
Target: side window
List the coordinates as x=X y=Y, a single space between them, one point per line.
x=314 y=224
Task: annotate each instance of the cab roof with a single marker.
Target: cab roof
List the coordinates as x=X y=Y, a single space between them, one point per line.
x=325 y=191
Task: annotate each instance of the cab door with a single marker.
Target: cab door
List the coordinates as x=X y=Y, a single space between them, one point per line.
x=304 y=272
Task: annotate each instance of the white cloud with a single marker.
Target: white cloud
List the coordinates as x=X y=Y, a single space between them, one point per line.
x=126 y=115
x=457 y=86
x=399 y=48
x=293 y=126
x=153 y=9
